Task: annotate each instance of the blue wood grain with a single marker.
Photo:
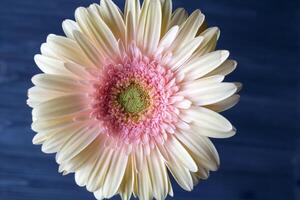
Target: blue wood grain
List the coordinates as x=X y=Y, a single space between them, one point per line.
x=262 y=162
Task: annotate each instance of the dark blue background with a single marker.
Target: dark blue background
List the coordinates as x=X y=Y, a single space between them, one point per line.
x=261 y=162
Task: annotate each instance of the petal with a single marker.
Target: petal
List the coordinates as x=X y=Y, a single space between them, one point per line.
x=50 y=65
x=62 y=106
x=202 y=148
x=206 y=118
x=149 y=29
x=225 y=104
x=111 y=15
x=179 y=16
x=210 y=94
x=198 y=67
x=179 y=155
x=58 y=83
x=182 y=176
x=188 y=30
x=126 y=187
x=69 y=26
x=183 y=54
x=115 y=173
x=88 y=48
x=212 y=133
x=66 y=49
x=226 y=68
x=78 y=142
x=167 y=40
x=158 y=174
x=133 y=7
x=166 y=16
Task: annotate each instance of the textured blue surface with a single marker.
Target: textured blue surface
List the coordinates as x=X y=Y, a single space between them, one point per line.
x=262 y=162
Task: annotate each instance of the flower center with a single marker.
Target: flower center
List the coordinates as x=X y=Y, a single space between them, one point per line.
x=133 y=99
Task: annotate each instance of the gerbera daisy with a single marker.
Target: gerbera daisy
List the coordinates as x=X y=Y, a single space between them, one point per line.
x=128 y=98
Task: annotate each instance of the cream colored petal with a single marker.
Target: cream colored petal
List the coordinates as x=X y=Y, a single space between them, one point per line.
x=212 y=133
x=184 y=104
x=201 y=147
x=188 y=30
x=225 y=104
x=69 y=26
x=112 y=16
x=39 y=95
x=206 y=118
x=89 y=49
x=150 y=28
x=182 y=176
x=144 y=185
x=179 y=155
x=133 y=7
x=59 y=137
x=126 y=187
x=115 y=173
x=215 y=93
x=93 y=25
x=83 y=158
x=199 y=67
x=100 y=170
x=139 y=158
x=179 y=16
x=167 y=40
x=50 y=65
x=158 y=175
x=45 y=125
x=180 y=56
x=200 y=83
x=224 y=69
x=130 y=30
x=211 y=36
x=62 y=106
x=78 y=142
x=64 y=49
x=58 y=83
x=166 y=16
x=79 y=71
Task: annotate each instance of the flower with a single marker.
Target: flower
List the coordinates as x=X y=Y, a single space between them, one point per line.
x=127 y=98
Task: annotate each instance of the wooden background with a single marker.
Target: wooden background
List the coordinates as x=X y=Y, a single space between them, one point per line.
x=262 y=162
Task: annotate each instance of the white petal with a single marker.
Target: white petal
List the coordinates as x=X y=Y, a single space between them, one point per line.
x=158 y=175
x=65 y=49
x=211 y=36
x=144 y=187
x=200 y=83
x=225 y=104
x=115 y=173
x=69 y=26
x=183 y=54
x=179 y=154
x=58 y=83
x=133 y=7
x=212 y=133
x=185 y=104
x=77 y=143
x=62 y=106
x=179 y=16
x=226 y=68
x=60 y=136
x=210 y=94
x=38 y=95
x=198 y=67
x=206 y=118
x=202 y=148
x=168 y=39
x=112 y=16
x=150 y=28
x=126 y=187
x=166 y=15
x=88 y=48
x=188 y=30
x=50 y=65
x=182 y=176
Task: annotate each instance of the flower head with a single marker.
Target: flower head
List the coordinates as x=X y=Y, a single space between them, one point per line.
x=127 y=97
